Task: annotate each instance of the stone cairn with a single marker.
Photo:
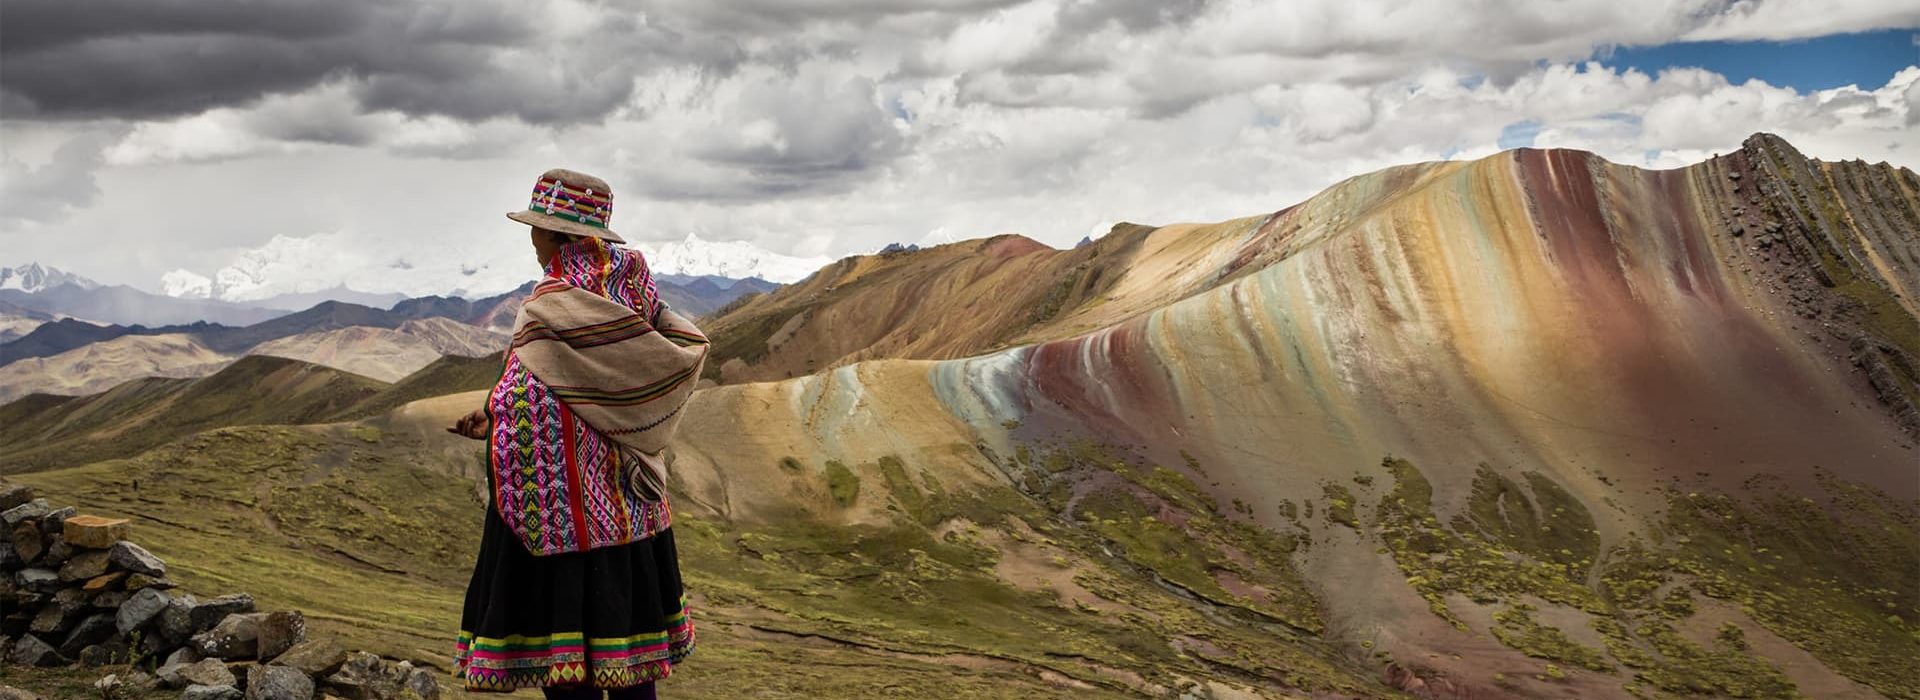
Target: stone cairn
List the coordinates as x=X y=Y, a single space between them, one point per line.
x=74 y=590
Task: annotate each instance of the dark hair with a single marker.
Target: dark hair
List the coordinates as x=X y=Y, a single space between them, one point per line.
x=562 y=237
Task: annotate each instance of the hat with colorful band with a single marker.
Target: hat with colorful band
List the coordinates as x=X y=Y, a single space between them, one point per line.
x=570 y=202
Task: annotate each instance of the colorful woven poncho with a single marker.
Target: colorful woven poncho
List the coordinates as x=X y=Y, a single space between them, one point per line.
x=595 y=378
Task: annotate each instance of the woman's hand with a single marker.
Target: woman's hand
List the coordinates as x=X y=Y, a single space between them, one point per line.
x=473 y=425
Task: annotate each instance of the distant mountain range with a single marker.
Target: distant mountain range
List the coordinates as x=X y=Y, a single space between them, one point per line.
x=35 y=294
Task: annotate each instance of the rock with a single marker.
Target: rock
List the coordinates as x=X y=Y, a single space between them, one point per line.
x=169 y=670
x=93 y=531
x=422 y=682
x=182 y=657
x=70 y=596
x=57 y=553
x=111 y=600
x=8 y=692
x=279 y=631
x=102 y=582
x=141 y=608
x=110 y=687
x=365 y=676
x=37 y=580
x=27 y=542
x=54 y=522
x=134 y=558
x=208 y=613
x=97 y=655
x=9 y=559
x=28 y=650
x=202 y=672
x=176 y=622
x=211 y=692
x=86 y=565
x=93 y=630
x=54 y=620
x=278 y=683
x=14 y=495
x=138 y=581
x=31 y=510
x=1735 y=175
x=140 y=680
x=236 y=637
x=318 y=658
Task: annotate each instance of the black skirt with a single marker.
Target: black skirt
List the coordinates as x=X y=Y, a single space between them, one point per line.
x=612 y=617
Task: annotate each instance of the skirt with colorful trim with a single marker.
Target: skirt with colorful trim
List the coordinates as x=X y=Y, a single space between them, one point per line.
x=612 y=617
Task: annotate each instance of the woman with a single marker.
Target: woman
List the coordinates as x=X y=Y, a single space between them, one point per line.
x=577 y=588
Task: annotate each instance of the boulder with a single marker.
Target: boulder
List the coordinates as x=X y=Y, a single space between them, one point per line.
x=27 y=542
x=54 y=620
x=176 y=622
x=86 y=565
x=138 y=581
x=92 y=630
x=141 y=609
x=278 y=683
x=181 y=656
x=420 y=681
x=9 y=559
x=279 y=631
x=56 y=554
x=317 y=657
x=202 y=672
x=8 y=692
x=97 y=655
x=365 y=676
x=102 y=582
x=137 y=559
x=111 y=600
x=55 y=521
x=37 y=580
x=210 y=612
x=28 y=650
x=14 y=495
x=211 y=692
x=32 y=510
x=236 y=637
x=93 y=531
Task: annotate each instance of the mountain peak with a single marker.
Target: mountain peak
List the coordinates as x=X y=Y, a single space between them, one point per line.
x=34 y=277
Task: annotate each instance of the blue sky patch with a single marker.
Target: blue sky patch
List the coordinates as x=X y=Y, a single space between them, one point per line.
x=1866 y=59
x=1519 y=134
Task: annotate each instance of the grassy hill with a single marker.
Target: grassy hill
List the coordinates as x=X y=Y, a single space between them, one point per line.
x=46 y=432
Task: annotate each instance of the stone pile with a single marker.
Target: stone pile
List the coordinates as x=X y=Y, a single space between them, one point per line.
x=74 y=590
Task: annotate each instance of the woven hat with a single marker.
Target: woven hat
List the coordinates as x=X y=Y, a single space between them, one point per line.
x=570 y=202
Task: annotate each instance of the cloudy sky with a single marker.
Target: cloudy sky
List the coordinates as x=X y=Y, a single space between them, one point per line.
x=378 y=143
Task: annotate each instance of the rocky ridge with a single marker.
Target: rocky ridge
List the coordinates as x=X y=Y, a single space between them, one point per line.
x=77 y=592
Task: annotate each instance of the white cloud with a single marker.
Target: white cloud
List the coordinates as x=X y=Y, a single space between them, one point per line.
x=841 y=126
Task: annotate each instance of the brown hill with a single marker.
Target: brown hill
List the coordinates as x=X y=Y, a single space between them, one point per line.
x=45 y=432
x=96 y=367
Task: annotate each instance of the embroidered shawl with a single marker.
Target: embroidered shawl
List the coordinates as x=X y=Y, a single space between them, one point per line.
x=594 y=381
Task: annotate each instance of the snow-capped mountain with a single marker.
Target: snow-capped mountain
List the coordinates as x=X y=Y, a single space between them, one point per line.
x=34 y=277
x=736 y=259
x=184 y=284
